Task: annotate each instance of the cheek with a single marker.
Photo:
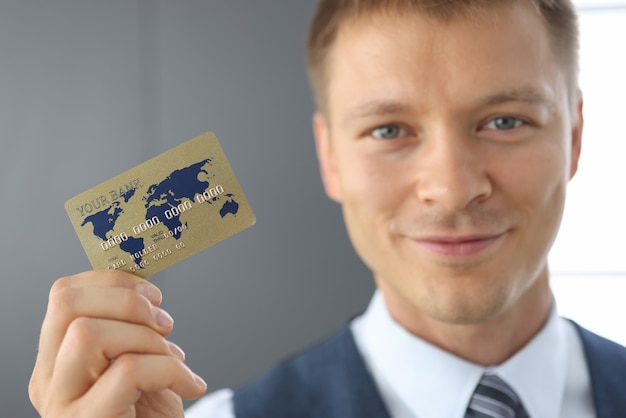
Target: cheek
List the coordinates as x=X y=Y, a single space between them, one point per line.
x=371 y=186
x=546 y=177
x=536 y=184
x=372 y=195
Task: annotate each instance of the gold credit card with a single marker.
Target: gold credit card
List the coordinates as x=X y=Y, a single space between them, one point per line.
x=162 y=211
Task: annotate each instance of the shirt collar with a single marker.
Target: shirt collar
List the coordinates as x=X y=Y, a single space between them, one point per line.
x=431 y=382
x=538 y=371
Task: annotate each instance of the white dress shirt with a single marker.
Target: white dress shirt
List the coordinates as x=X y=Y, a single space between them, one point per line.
x=419 y=380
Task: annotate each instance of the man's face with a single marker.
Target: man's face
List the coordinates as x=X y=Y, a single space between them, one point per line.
x=449 y=146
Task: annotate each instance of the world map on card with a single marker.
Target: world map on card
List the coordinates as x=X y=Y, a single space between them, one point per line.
x=160 y=200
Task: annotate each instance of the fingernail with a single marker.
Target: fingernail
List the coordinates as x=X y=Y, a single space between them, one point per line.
x=176 y=350
x=162 y=318
x=150 y=291
x=199 y=381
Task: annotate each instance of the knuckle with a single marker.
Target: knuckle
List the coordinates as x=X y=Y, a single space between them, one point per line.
x=128 y=365
x=135 y=306
x=34 y=391
x=60 y=285
x=82 y=332
x=37 y=394
x=61 y=298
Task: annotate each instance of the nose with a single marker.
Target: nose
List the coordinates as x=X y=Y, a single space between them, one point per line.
x=451 y=172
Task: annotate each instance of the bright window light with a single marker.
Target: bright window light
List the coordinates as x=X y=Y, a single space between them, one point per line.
x=588 y=261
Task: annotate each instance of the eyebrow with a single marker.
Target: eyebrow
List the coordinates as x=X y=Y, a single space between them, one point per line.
x=392 y=107
x=376 y=108
x=525 y=95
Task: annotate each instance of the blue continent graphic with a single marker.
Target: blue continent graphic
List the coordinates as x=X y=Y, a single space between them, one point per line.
x=230 y=206
x=133 y=246
x=128 y=195
x=178 y=186
x=104 y=221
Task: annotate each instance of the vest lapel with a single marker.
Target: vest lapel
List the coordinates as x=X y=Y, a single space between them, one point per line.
x=606 y=361
x=328 y=381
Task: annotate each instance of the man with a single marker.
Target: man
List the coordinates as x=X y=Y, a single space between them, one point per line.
x=448 y=131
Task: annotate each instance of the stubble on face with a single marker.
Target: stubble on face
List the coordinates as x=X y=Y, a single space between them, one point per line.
x=425 y=76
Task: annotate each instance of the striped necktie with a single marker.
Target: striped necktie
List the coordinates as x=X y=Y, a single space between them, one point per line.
x=494 y=399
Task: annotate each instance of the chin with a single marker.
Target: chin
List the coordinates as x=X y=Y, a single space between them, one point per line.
x=466 y=306
x=480 y=315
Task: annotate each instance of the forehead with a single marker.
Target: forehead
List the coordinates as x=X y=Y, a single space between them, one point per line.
x=501 y=48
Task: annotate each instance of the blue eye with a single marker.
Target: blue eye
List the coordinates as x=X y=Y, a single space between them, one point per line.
x=388 y=132
x=504 y=123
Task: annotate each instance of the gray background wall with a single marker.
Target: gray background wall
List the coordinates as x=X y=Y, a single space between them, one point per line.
x=91 y=88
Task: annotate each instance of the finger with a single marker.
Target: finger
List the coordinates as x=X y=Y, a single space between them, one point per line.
x=94 y=294
x=90 y=345
x=131 y=375
x=116 y=303
x=108 y=303
x=110 y=278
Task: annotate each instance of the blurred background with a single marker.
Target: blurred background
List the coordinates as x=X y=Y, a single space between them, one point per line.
x=89 y=89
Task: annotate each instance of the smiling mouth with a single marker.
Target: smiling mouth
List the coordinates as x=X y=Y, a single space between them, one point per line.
x=459 y=246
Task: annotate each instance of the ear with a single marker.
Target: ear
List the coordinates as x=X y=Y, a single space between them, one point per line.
x=326 y=157
x=577 y=134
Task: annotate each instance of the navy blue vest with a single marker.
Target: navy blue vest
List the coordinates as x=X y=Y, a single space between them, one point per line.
x=607 y=369
x=331 y=381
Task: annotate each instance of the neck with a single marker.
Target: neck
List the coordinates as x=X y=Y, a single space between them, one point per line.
x=490 y=342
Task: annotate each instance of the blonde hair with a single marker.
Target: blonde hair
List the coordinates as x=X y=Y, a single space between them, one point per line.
x=559 y=16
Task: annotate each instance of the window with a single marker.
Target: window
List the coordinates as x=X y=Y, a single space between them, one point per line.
x=588 y=261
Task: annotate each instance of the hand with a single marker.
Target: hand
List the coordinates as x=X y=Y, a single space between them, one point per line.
x=103 y=352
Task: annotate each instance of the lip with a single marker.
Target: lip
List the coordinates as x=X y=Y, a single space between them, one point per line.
x=461 y=246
